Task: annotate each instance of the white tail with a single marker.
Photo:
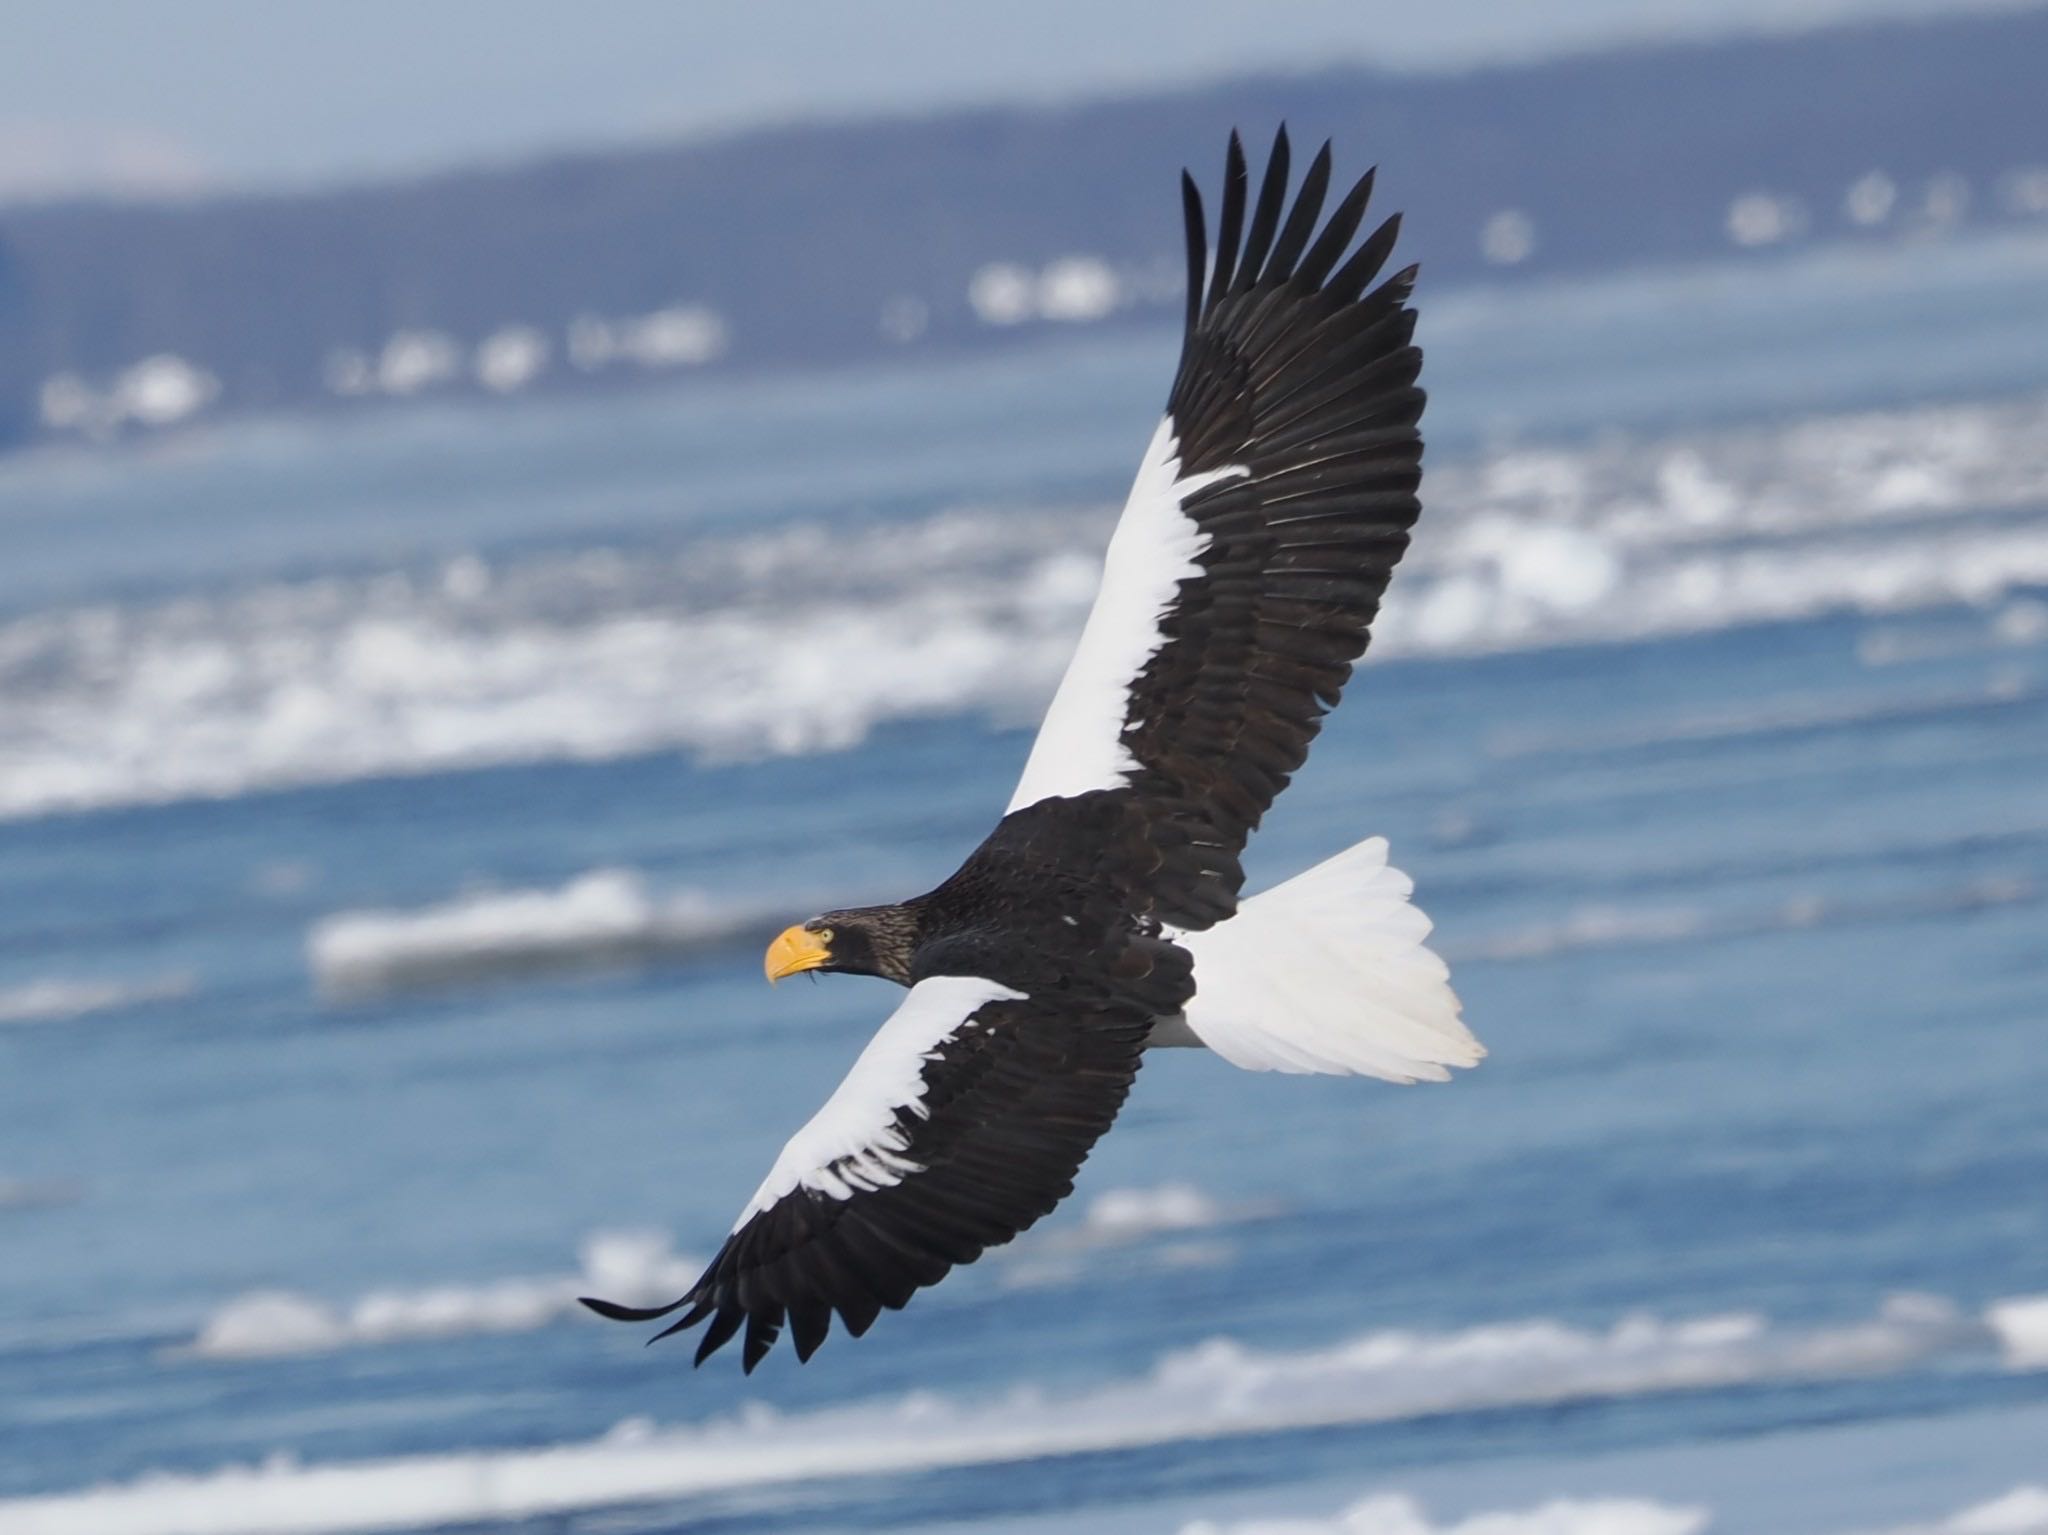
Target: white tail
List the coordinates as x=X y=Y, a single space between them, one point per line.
x=1327 y=972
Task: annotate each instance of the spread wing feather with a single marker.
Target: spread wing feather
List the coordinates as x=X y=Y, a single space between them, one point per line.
x=962 y=1124
x=1251 y=558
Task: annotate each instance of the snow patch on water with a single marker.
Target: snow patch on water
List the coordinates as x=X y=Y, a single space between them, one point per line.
x=2023 y=1511
x=635 y=1267
x=2021 y=1324
x=1125 y=1215
x=1589 y=927
x=1219 y=1389
x=60 y=1000
x=1401 y=1373
x=1604 y=926
x=604 y=916
x=803 y=639
x=1169 y=1221
x=1780 y=717
x=1394 y=1513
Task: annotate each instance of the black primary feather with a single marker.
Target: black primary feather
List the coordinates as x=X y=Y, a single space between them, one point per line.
x=1293 y=372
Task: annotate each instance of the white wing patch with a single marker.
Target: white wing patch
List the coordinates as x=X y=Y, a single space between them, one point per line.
x=1155 y=547
x=853 y=1144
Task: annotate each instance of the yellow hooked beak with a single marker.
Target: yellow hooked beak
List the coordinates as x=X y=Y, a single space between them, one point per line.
x=796 y=949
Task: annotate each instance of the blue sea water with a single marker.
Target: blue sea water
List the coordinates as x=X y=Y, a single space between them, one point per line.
x=394 y=807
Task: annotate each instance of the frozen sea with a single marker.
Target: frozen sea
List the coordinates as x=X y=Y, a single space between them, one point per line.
x=392 y=808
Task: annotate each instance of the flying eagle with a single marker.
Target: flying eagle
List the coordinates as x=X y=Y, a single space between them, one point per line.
x=1103 y=915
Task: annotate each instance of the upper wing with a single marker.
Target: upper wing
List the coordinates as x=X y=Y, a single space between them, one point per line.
x=1271 y=509
x=962 y=1123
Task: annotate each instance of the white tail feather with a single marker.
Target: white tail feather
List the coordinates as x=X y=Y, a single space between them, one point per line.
x=1327 y=972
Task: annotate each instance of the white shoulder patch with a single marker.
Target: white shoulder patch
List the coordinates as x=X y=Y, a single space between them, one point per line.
x=852 y=1143
x=1156 y=546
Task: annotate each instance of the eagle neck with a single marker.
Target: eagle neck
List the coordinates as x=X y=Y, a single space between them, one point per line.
x=894 y=931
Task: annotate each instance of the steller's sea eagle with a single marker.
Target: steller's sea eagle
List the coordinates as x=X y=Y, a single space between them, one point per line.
x=1103 y=914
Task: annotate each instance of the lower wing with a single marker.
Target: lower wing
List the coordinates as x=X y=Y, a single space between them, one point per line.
x=962 y=1123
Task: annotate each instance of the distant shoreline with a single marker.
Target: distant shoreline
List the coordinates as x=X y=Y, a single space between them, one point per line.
x=854 y=241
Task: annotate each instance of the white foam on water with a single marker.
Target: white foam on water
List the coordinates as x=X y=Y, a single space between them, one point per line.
x=2020 y=624
x=634 y=1267
x=1587 y=927
x=602 y=915
x=61 y=999
x=1174 y=1221
x=1396 y=1513
x=2021 y=1324
x=1604 y=926
x=2021 y=1511
x=1778 y=717
x=1216 y=1390
x=1124 y=1215
x=805 y=638
x=572 y=657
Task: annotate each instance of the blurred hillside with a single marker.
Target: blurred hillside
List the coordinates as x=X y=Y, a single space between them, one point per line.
x=840 y=241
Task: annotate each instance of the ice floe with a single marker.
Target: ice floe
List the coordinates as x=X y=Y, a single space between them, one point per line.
x=803 y=639
x=602 y=917
x=636 y=1267
x=1394 y=1513
x=59 y=999
x=1216 y=1390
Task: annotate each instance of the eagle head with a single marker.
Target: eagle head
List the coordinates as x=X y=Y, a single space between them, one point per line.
x=868 y=940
